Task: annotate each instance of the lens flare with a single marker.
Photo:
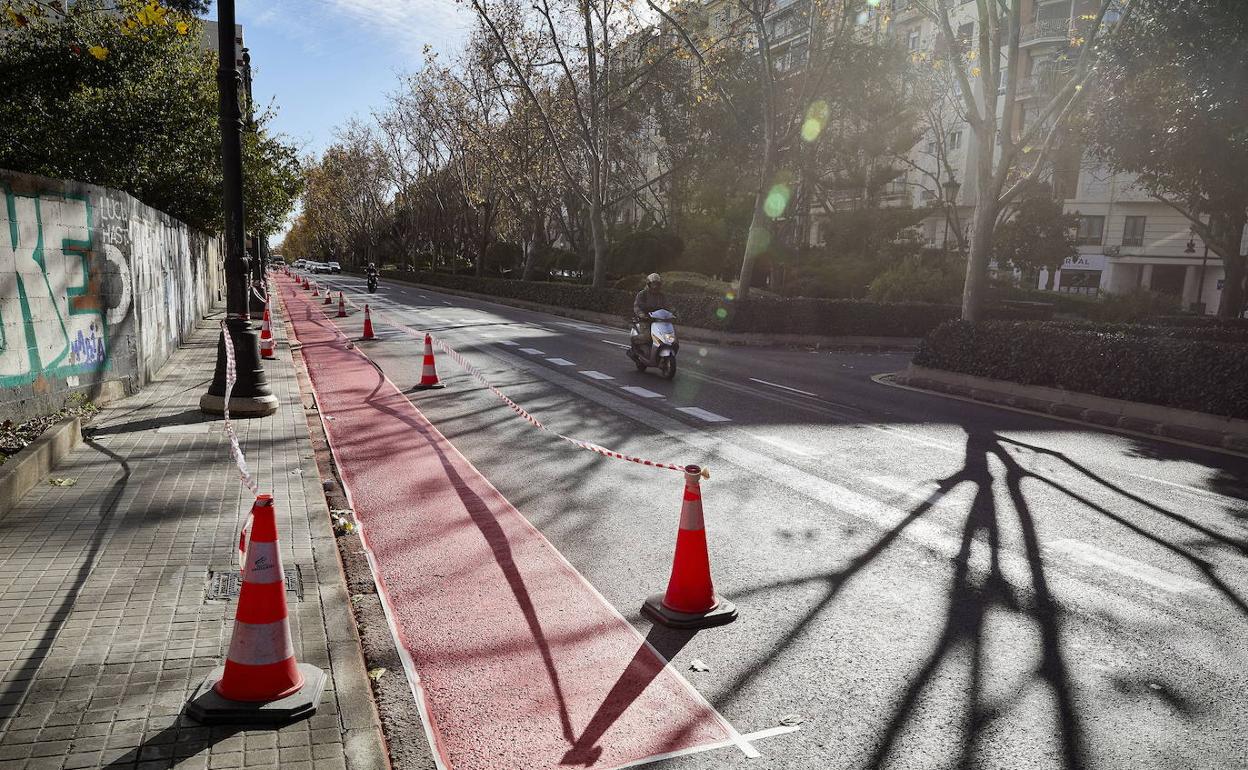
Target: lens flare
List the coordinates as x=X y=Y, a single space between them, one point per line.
x=777 y=201
x=816 y=118
x=730 y=295
x=721 y=313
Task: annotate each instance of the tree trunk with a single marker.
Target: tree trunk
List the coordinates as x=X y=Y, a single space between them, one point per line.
x=977 y=264
x=598 y=228
x=1051 y=276
x=756 y=242
x=1233 y=289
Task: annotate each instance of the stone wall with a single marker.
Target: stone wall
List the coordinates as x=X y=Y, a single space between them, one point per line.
x=96 y=289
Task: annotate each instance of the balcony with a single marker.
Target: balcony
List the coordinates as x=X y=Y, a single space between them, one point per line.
x=1049 y=31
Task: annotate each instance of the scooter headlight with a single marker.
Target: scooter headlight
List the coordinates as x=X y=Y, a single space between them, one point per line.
x=668 y=338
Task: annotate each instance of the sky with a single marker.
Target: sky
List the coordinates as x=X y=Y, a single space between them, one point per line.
x=322 y=62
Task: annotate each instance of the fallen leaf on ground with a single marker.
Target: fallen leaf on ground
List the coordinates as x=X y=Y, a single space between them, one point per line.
x=376 y=673
x=792 y=719
x=62 y=482
x=698 y=665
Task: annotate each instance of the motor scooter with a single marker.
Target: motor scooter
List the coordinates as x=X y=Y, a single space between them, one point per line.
x=372 y=283
x=660 y=350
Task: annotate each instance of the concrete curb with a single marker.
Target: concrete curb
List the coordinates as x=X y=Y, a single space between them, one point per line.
x=1177 y=425
x=25 y=470
x=693 y=333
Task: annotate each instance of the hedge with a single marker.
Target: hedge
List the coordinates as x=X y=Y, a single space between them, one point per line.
x=1201 y=375
x=771 y=315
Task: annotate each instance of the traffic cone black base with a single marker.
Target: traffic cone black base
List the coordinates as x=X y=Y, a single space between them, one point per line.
x=723 y=613
x=207 y=707
x=435 y=386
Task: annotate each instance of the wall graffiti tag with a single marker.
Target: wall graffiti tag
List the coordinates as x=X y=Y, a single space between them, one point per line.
x=52 y=320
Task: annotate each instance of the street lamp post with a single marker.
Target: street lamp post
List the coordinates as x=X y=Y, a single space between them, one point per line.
x=250 y=395
x=1199 y=305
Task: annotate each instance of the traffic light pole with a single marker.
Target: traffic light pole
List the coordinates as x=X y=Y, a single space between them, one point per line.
x=250 y=395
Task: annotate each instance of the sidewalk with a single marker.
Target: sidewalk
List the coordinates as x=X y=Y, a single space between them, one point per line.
x=105 y=622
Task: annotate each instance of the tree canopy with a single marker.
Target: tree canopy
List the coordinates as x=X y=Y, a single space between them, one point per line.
x=127 y=99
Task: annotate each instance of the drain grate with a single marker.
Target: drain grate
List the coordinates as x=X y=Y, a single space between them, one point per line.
x=224 y=584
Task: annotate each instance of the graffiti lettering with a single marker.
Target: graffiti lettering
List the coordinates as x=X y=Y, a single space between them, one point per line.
x=51 y=319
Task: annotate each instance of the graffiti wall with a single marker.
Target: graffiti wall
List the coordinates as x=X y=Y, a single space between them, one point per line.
x=95 y=288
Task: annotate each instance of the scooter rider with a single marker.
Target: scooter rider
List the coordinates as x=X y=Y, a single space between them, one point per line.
x=647 y=301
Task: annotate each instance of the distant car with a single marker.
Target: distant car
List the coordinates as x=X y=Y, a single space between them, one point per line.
x=334 y=267
x=300 y=262
x=320 y=267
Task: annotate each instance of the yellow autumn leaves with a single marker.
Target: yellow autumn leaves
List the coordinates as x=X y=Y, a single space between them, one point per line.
x=138 y=15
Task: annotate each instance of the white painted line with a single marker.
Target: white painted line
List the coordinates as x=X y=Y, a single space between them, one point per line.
x=424 y=296
x=561 y=362
x=788 y=446
x=444 y=302
x=746 y=739
x=702 y=414
x=617 y=344
x=532 y=351
x=1208 y=493
x=597 y=375
x=784 y=387
x=509 y=343
x=636 y=391
x=1154 y=576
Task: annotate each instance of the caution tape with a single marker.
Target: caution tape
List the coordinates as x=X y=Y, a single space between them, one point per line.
x=519 y=410
x=236 y=450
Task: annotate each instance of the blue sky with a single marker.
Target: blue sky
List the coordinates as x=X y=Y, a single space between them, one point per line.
x=324 y=61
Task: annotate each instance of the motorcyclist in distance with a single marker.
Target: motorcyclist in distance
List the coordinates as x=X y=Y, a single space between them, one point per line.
x=371 y=269
x=647 y=301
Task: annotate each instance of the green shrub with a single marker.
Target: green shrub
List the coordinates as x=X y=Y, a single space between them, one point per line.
x=919 y=280
x=1154 y=368
x=771 y=315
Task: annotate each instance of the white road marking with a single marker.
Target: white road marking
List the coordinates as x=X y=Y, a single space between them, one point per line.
x=444 y=302
x=584 y=327
x=788 y=446
x=597 y=375
x=1154 y=576
x=636 y=391
x=702 y=414
x=561 y=362
x=617 y=344
x=784 y=387
x=509 y=343
x=532 y=351
x=1189 y=489
x=424 y=296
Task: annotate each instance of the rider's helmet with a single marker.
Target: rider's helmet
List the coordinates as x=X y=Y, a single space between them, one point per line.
x=654 y=281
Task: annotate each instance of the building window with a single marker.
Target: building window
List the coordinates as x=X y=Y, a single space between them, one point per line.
x=966 y=32
x=955 y=140
x=912 y=41
x=1133 y=232
x=1091 y=231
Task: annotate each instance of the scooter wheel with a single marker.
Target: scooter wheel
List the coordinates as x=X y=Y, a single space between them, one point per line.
x=640 y=366
x=667 y=367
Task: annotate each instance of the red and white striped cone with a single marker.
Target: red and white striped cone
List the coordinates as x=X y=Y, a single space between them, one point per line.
x=306 y=285
x=690 y=601
x=368 y=325
x=342 y=306
x=329 y=300
x=316 y=291
x=261 y=681
x=428 y=370
x=266 y=336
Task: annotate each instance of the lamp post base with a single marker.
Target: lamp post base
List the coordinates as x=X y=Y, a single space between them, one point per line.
x=250 y=396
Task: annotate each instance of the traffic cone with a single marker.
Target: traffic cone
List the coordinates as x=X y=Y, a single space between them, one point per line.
x=690 y=601
x=342 y=306
x=316 y=292
x=428 y=370
x=261 y=680
x=306 y=285
x=328 y=299
x=266 y=337
x=368 y=325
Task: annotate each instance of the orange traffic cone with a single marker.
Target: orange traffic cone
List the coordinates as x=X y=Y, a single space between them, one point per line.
x=428 y=371
x=342 y=306
x=306 y=285
x=328 y=299
x=690 y=601
x=368 y=325
x=266 y=336
x=261 y=680
x=316 y=290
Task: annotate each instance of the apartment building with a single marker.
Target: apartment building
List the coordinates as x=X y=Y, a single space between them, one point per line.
x=1127 y=240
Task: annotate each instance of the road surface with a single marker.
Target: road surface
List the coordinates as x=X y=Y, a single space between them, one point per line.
x=922 y=582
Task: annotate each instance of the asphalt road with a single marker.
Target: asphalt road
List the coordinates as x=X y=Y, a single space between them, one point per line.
x=923 y=582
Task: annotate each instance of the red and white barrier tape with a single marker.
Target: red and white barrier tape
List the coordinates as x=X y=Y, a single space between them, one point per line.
x=236 y=450
x=519 y=410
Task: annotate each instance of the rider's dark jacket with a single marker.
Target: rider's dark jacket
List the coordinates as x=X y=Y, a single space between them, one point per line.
x=647 y=301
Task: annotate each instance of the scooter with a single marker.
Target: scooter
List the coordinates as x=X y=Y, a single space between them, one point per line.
x=372 y=284
x=661 y=350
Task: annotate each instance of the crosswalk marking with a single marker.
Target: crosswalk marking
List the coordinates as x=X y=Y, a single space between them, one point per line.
x=597 y=375
x=532 y=351
x=560 y=362
x=636 y=391
x=702 y=414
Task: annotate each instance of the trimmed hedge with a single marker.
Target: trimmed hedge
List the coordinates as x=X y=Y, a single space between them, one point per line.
x=770 y=315
x=1201 y=375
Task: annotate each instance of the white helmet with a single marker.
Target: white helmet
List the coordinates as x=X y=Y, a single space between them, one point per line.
x=654 y=279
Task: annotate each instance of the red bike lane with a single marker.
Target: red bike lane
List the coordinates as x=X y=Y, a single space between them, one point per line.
x=518 y=662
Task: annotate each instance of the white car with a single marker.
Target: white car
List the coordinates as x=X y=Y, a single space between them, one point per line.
x=334 y=267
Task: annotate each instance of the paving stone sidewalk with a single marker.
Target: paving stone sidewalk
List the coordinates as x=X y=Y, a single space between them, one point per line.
x=105 y=624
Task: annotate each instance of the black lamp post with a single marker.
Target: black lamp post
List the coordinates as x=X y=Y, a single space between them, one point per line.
x=250 y=395
x=951 y=197
x=1199 y=305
